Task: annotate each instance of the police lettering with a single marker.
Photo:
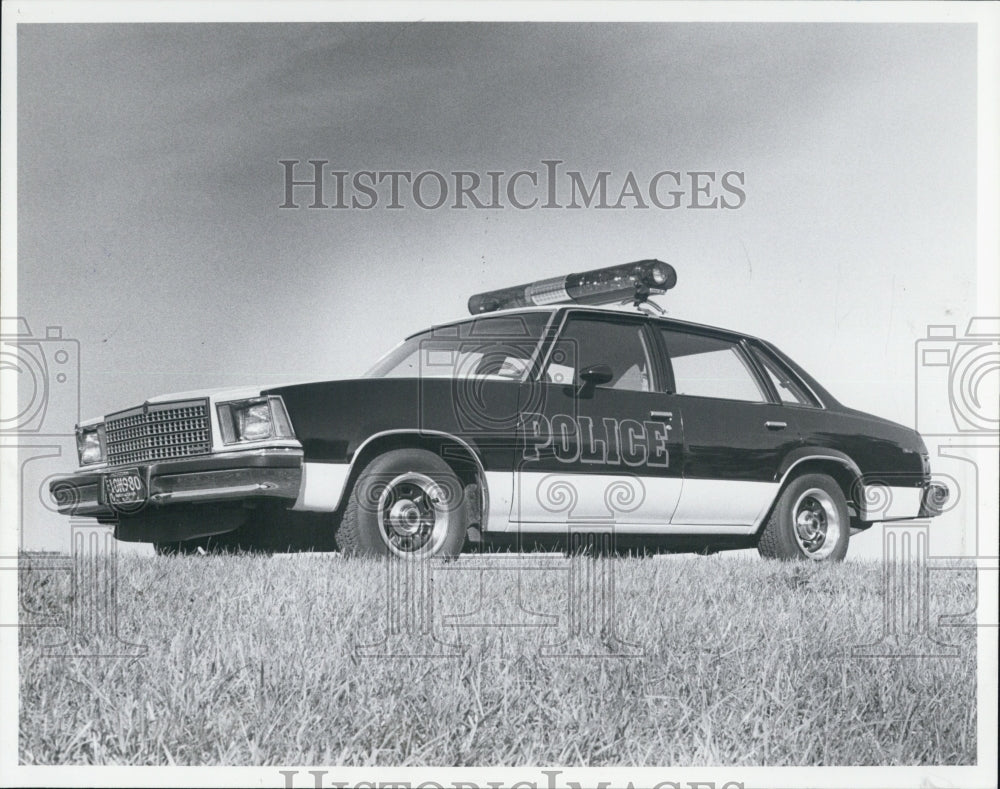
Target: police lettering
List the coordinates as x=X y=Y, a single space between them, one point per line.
x=610 y=443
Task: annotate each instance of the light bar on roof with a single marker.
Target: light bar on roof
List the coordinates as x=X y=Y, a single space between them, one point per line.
x=601 y=286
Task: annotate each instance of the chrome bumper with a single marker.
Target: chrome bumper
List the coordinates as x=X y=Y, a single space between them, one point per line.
x=934 y=499
x=272 y=473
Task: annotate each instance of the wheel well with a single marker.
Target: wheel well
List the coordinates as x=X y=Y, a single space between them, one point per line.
x=458 y=456
x=847 y=480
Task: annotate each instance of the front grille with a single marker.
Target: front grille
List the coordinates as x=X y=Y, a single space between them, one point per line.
x=158 y=431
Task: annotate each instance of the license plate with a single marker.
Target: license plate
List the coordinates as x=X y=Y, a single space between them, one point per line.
x=125 y=487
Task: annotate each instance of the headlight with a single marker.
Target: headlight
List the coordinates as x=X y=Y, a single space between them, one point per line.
x=90 y=445
x=254 y=422
x=259 y=419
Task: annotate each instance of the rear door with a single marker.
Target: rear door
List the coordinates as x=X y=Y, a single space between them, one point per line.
x=736 y=433
x=604 y=453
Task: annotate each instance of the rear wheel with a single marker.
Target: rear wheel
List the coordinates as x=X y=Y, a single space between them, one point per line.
x=405 y=503
x=810 y=521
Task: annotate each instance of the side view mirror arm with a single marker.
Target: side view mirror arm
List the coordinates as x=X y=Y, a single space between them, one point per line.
x=591 y=377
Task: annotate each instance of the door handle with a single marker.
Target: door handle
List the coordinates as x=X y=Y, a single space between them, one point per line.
x=664 y=415
x=776 y=425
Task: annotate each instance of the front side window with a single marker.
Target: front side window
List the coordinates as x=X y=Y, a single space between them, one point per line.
x=709 y=367
x=499 y=347
x=588 y=341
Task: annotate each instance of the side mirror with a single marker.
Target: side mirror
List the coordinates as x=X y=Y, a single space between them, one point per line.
x=594 y=376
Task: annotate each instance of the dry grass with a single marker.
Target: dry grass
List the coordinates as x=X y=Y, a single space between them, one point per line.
x=253 y=661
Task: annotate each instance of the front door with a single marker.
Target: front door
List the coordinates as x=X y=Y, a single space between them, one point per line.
x=599 y=442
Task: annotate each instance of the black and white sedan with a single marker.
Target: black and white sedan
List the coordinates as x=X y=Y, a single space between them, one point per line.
x=543 y=416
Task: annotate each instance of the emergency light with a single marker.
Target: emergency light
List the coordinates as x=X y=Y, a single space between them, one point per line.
x=629 y=281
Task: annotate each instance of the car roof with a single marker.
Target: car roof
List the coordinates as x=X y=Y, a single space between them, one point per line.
x=594 y=309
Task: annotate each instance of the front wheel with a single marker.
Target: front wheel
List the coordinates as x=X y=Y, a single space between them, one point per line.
x=810 y=521
x=406 y=503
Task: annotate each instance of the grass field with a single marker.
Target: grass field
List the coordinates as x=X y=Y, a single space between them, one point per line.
x=254 y=660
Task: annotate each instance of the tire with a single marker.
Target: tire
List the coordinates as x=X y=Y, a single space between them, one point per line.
x=809 y=522
x=406 y=503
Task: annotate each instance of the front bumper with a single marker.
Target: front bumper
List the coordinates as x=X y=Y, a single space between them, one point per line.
x=273 y=473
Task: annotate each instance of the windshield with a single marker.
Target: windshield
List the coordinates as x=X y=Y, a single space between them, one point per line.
x=500 y=346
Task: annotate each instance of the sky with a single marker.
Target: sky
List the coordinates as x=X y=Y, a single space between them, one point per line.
x=149 y=188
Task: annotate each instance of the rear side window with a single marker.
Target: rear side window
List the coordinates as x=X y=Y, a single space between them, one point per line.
x=710 y=367
x=788 y=390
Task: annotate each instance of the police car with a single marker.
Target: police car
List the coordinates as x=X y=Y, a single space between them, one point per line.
x=545 y=415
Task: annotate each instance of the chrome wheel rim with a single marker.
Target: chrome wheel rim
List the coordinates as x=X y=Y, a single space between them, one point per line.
x=412 y=515
x=816 y=523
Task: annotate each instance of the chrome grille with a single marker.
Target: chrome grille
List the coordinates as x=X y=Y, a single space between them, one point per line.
x=158 y=431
